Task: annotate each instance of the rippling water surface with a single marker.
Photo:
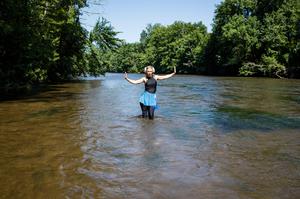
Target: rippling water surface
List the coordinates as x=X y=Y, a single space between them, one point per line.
x=213 y=137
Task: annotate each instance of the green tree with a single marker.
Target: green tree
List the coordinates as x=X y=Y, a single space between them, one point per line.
x=244 y=35
x=145 y=34
x=127 y=58
x=102 y=40
x=41 y=40
x=252 y=37
x=180 y=44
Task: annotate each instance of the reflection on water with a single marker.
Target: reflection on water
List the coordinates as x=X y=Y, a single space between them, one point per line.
x=213 y=137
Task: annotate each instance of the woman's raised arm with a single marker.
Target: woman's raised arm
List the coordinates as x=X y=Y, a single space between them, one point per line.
x=132 y=81
x=161 y=77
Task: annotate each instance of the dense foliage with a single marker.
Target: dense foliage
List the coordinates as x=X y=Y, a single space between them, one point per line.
x=102 y=40
x=180 y=44
x=43 y=40
x=255 y=37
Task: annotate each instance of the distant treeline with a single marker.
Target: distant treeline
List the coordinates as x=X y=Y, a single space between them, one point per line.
x=44 y=41
x=249 y=38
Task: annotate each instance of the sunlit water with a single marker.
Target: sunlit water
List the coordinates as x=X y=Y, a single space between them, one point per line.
x=213 y=137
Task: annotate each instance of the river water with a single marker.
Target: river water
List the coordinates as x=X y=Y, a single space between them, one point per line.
x=212 y=137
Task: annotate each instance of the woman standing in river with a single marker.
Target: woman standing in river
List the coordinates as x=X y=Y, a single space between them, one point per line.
x=148 y=97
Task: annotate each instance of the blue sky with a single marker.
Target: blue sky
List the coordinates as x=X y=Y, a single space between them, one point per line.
x=132 y=16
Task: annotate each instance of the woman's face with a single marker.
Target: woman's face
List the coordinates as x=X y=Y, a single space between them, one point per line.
x=149 y=72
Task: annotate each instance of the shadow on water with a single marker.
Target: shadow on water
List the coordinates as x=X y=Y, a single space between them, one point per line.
x=230 y=118
x=58 y=90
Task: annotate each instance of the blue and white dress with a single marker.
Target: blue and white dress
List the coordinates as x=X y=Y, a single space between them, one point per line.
x=148 y=97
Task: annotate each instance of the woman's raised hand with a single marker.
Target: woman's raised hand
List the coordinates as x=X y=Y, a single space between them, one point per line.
x=125 y=75
x=174 y=69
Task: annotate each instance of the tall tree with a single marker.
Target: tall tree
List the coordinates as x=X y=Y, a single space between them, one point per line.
x=102 y=40
x=41 y=40
x=180 y=44
x=252 y=37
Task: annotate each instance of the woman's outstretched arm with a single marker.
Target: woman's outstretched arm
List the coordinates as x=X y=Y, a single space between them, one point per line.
x=138 y=81
x=161 y=77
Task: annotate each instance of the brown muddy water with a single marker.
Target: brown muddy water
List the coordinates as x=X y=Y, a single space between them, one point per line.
x=213 y=137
